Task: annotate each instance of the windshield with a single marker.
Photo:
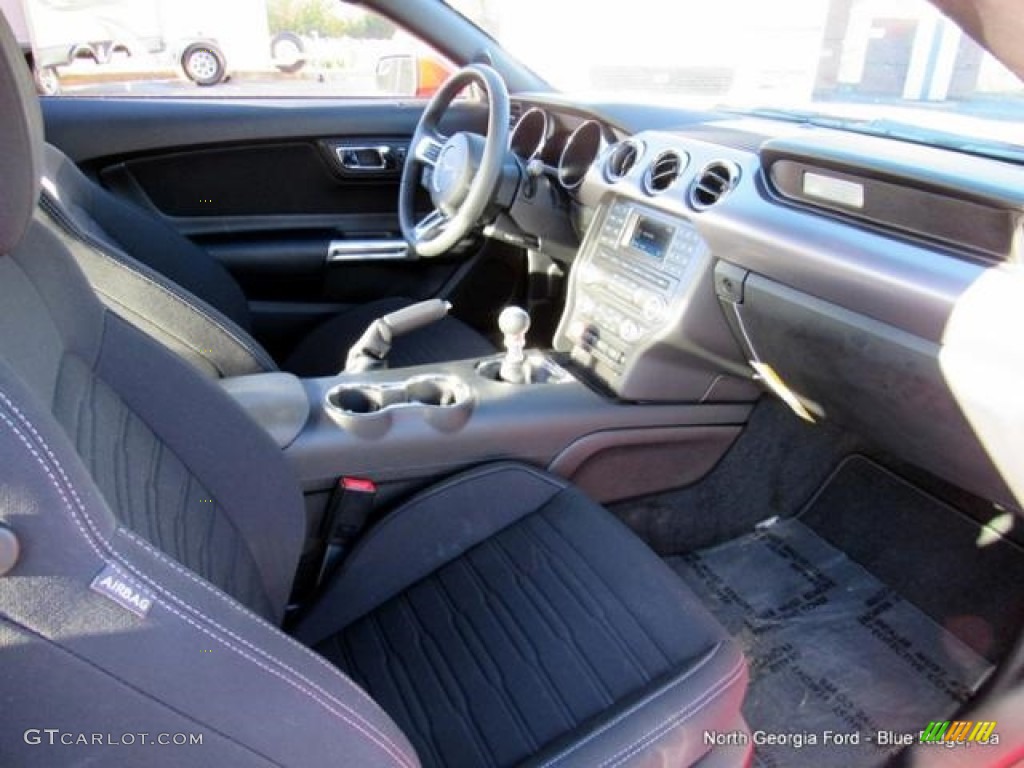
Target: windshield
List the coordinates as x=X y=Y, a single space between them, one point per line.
x=897 y=67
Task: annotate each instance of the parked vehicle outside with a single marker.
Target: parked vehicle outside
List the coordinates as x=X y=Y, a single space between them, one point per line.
x=264 y=47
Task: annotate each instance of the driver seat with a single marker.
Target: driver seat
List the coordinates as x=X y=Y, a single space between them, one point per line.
x=177 y=293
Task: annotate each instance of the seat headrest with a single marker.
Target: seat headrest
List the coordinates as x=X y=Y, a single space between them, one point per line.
x=21 y=141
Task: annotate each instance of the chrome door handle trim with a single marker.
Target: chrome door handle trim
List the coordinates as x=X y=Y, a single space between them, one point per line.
x=368 y=250
x=352 y=157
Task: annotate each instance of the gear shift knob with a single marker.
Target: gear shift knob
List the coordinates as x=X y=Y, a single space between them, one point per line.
x=514 y=322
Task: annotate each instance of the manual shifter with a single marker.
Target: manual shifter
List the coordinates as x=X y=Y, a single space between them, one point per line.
x=514 y=322
x=515 y=366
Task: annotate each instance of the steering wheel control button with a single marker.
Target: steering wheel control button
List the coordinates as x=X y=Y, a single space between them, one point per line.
x=10 y=549
x=427 y=150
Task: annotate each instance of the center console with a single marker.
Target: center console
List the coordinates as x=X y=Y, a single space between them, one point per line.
x=422 y=423
x=640 y=275
x=412 y=425
x=634 y=399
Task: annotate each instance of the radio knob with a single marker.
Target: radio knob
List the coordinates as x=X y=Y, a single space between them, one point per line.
x=654 y=309
x=630 y=331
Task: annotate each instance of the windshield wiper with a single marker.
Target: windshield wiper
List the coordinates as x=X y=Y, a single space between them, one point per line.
x=893 y=129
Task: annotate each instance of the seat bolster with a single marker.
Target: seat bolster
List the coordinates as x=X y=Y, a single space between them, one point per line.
x=146 y=235
x=151 y=302
x=664 y=724
x=230 y=455
x=424 y=534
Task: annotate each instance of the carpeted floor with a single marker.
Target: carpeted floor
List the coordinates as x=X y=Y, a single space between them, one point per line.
x=872 y=612
x=831 y=649
x=773 y=468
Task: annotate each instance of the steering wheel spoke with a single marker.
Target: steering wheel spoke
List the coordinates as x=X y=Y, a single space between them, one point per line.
x=431 y=225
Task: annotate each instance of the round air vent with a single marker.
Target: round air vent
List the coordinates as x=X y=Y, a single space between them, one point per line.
x=713 y=183
x=622 y=159
x=663 y=172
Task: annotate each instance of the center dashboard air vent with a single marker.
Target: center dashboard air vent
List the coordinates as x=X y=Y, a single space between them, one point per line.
x=622 y=159
x=714 y=182
x=663 y=172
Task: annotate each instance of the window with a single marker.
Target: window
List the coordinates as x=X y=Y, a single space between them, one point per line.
x=891 y=66
x=220 y=48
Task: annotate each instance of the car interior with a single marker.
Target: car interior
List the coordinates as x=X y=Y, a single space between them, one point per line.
x=504 y=427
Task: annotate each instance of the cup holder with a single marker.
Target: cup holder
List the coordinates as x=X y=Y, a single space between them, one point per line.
x=370 y=410
x=355 y=400
x=435 y=392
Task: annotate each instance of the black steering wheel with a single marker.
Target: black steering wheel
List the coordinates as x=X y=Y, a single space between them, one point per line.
x=465 y=169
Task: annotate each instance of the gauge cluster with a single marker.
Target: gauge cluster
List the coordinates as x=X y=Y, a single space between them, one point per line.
x=566 y=145
x=530 y=134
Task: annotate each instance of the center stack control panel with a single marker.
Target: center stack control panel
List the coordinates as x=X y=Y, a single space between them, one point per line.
x=625 y=287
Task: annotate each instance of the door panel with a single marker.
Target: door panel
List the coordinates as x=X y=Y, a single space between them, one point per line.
x=262 y=186
x=276 y=178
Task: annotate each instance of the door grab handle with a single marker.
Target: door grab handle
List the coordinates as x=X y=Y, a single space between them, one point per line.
x=368 y=250
x=365 y=159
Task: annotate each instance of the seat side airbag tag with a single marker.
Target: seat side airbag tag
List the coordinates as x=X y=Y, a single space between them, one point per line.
x=114 y=585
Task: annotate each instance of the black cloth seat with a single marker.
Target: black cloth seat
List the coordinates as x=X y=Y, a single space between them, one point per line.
x=174 y=291
x=497 y=618
x=558 y=638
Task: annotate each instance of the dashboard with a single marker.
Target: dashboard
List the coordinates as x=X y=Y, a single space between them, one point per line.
x=860 y=279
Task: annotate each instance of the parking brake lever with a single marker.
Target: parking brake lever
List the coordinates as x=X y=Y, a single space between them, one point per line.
x=370 y=352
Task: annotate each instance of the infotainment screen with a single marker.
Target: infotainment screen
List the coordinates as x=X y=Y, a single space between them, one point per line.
x=651 y=237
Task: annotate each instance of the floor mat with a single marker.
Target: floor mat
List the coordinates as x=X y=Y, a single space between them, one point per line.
x=832 y=650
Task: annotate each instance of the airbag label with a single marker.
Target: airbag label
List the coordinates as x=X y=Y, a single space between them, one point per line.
x=113 y=584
